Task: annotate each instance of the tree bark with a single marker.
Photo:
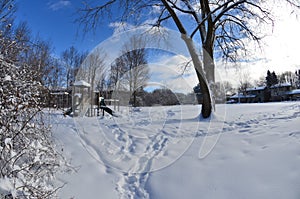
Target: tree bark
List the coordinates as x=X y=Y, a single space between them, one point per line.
x=206 y=97
x=134 y=99
x=208 y=63
x=206 y=102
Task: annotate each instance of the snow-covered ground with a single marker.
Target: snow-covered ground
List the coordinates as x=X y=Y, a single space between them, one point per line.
x=244 y=151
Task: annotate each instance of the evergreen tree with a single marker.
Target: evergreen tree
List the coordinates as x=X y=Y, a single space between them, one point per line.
x=268 y=79
x=274 y=78
x=271 y=79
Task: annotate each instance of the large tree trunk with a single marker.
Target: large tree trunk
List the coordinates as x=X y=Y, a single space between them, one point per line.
x=208 y=63
x=206 y=97
x=209 y=68
x=134 y=99
x=206 y=102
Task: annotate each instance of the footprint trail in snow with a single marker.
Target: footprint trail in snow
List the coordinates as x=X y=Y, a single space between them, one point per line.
x=137 y=143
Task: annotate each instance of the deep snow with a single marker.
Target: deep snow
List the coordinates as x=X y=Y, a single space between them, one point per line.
x=165 y=152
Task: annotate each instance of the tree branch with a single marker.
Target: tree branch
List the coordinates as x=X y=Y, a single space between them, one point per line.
x=226 y=9
x=205 y=17
x=294 y=3
x=175 y=17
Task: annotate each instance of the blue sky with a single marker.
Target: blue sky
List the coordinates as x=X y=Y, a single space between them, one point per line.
x=54 y=20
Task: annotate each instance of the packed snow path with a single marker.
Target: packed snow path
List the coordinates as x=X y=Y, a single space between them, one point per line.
x=153 y=153
x=129 y=144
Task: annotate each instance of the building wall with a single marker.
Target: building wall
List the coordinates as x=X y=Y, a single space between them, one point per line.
x=58 y=99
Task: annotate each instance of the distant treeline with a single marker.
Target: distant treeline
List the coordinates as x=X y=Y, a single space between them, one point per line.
x=162 y=96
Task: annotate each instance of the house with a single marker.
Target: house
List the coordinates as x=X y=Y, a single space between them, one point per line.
x=241 y=98
x=251 y=95
x=279 y=92
x=294 y=94
x=59 y=98
x=261 y=94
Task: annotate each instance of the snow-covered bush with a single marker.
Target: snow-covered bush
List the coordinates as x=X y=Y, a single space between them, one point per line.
x=28 y=159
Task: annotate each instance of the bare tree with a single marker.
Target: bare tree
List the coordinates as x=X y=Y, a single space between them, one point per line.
x=92 y=71
x=14 y=41
x=287 y=77
x=244 y=81
x=18 y=46
x=55 y=76
x=222 y=24
x=101 y=83
x=38 y=57
x=7 y=10
x=71 y=59
x=117 y=70
x=133 y=65
x=260 y=82
x=221 y=90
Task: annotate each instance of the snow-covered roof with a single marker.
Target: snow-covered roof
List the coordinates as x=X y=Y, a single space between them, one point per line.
x=59 y=93
x=281 y=85
x=293 y=92
x=82 y=84
x=229 y=93
x=256 y=88
x=78 y=94
x=240 y=95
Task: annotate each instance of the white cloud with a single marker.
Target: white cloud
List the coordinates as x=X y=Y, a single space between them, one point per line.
x=168 y=72
x=58 y=5
x=156 y=9
x=120 y=27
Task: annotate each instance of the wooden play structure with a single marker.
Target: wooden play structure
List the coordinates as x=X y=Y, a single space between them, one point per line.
x=80 y=98
x=86 y=102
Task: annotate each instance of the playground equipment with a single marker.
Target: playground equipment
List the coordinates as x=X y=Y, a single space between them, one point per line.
x=104 y=108
x=80 y=98
x=86 y=103
x=59 y=99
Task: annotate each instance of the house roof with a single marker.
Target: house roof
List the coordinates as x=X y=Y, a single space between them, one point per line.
x=240 y=95
x=281 y=85
x=82 y=84
x=293 y=92
x=259 y=88
x=59 y=93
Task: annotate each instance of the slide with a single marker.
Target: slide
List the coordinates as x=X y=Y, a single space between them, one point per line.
x=108 y=110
